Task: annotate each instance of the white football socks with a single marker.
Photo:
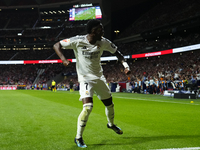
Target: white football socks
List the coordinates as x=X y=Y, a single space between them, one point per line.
x=110 y=114
x=83 y=118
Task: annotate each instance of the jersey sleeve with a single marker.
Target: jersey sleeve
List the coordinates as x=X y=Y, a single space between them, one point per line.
x=68 y=43
x=109 y=46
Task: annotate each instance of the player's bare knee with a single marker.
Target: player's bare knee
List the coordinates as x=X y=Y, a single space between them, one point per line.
x=107 y=102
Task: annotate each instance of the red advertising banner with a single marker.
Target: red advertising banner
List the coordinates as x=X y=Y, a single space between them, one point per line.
x=8 y=88
x=158 y=53
x=151 y=54
x=44 y=61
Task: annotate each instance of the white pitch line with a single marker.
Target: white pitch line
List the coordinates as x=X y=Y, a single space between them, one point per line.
x=186 y=148
x=158 y=101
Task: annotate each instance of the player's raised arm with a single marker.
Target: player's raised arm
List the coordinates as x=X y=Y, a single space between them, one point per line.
x=57 y=48
x=124 y=63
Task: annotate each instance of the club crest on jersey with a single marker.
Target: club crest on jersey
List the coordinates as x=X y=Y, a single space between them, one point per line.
x=66 y=40
x=86 y=93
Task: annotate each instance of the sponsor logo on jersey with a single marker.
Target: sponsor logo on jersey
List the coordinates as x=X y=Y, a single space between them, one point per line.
x=66 y=40
x=84 y=47
x=91 y=53
x=81 y=38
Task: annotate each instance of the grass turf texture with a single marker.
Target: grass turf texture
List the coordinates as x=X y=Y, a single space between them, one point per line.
x=45 y=120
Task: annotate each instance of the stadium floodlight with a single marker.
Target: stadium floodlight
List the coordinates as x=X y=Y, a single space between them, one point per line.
x=45 y=27
x=116 y=31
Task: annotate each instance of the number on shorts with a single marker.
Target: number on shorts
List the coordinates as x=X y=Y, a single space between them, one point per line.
x=86 y=86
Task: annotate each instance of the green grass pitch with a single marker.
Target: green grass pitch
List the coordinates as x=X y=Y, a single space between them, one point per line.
x=45 y=120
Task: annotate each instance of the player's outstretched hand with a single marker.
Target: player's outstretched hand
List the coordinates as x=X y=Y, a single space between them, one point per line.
x=66 y=62
x=127 y=71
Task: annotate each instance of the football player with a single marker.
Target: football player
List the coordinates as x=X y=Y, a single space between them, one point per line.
x=88 y=50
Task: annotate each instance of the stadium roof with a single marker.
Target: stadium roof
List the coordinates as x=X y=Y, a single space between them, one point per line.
x=118 y=4
x=23 y=3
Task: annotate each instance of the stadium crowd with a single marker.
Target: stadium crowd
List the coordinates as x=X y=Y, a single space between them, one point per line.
x=136 y=47
x=159 y=44
x=142 y=69
x=152 y=75
x=181 y=68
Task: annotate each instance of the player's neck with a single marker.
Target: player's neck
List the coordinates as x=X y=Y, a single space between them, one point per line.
x=92 y=39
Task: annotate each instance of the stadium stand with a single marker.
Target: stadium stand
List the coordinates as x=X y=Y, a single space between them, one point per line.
x=160 y=16
x=157 y=28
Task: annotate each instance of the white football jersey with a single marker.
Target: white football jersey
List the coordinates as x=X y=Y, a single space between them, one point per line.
x=88 y=63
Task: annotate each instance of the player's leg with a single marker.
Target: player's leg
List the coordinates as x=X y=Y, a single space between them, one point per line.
x=84 y=115
x=109 y=110
x=70 y=88
x=52 y=88
x=86 y=93
x=82 y=120
x=104 y=94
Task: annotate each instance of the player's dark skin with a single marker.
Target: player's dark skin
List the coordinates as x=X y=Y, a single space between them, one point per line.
x=95 y=35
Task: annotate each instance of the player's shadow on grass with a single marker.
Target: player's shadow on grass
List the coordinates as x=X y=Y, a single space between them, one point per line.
x=138 y=140
x=134 y=141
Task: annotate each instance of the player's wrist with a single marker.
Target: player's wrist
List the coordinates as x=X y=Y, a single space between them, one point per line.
x=126 y=66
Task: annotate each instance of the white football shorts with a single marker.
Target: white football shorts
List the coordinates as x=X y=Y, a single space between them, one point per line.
x=98 y=86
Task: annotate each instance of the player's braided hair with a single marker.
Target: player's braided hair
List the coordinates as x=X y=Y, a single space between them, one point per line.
x=91 y=24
